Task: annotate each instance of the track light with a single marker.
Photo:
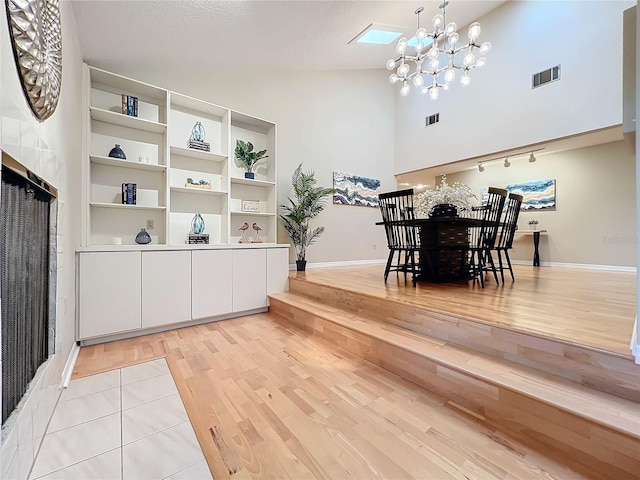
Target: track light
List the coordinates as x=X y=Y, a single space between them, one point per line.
x=480 y=167
x=507 y=163
x=532 y=158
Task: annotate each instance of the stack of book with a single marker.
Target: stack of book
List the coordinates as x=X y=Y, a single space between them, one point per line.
x=129 y=193
x=196 y=145
x=130 y=105
x=195 y=238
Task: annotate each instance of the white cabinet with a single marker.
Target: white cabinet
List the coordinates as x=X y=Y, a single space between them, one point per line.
x=166 y=288
x=249 y=279
x=109 y=292
x=211 y=274
x=277 y=270
x=165 y=170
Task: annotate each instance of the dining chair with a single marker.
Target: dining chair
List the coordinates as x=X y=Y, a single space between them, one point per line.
x=482 y=238
x=504 y=242
x=403 y=238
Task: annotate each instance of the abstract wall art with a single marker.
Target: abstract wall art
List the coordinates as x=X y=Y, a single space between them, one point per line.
x=355 y=190
x=538 y=195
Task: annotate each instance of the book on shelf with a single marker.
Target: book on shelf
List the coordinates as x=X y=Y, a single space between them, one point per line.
x=198 y=238
x=196 y=145
x=129 y=191
x=129 y=105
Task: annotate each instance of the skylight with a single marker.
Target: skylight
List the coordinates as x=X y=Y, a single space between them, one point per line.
x=377 y=34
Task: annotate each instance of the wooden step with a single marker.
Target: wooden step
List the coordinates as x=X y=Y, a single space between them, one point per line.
x=609 y=372
x=596 y=430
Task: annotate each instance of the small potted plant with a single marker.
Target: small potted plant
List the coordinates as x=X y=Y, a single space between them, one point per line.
x=533 y=224
x=247 y=159
x=307 y=202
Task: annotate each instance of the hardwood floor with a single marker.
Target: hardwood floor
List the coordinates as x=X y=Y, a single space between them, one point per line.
x=269 y=401
x=585 y=307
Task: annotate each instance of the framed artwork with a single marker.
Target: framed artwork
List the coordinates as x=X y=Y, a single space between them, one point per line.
x=538 y=195
x=252 y=206
x=355 y=190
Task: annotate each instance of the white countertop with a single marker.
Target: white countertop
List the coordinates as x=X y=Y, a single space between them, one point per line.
x=156 y=247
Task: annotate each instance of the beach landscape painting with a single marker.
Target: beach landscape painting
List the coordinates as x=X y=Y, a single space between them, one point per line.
x=355 y=190
x=538 y=195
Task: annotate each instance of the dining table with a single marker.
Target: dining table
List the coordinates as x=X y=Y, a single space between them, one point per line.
x=444 y=241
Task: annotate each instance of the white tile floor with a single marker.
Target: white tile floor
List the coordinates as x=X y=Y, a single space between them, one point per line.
x=124 y=424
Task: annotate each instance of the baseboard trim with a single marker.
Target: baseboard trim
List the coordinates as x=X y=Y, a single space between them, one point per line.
x=69 y=366
x=344 y=263
x=171 y=326
x=585 y=266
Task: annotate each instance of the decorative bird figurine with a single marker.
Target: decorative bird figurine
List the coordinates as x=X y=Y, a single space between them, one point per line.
x=244 y=229
x=256 y=238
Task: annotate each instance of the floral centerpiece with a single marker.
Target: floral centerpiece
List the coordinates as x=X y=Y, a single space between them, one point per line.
x=443 y=198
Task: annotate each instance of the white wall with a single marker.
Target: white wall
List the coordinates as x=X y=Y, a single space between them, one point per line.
x=595 y=217
x=329 y=121
x=51 y=149
x=499 y=110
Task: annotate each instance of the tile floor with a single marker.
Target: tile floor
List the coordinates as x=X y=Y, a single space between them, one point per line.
x=124 y=424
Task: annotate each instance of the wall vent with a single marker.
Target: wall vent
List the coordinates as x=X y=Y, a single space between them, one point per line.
x=546 y=76
x=431 y=119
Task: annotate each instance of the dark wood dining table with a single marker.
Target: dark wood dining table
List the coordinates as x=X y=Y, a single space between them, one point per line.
x=443 y=244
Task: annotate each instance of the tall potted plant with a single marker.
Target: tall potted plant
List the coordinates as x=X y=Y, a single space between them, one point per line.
x=307 y=202
x=247 y=158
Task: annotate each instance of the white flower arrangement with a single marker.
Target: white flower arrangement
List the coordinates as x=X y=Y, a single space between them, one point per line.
x=457 y=194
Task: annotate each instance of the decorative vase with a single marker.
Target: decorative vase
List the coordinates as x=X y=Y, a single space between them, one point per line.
x=143 y=237
x=197 y=133
x=301 y=265
x=444 y=210
x=250 y=175
x=197 y=224
x=116 y=152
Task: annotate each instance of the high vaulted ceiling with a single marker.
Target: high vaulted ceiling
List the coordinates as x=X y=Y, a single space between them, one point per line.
x=257 y=35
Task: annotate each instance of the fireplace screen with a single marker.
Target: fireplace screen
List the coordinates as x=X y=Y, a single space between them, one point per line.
x=25 y=211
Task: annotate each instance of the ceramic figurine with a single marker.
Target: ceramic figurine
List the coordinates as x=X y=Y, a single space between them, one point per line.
x=244 y=228
x=256 y=238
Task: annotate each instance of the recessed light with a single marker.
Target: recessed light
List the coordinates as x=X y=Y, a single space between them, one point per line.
x=378 y=34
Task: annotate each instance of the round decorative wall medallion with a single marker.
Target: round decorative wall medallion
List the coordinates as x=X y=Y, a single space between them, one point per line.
x=36 y=37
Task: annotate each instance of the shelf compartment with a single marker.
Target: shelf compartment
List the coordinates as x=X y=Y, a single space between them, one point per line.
x=255 y=183
x=117 y=82
x=191 y=153
x=116 y=162
x=191 y=103
x=125 y=207
x=122 y=120
x=197 y=191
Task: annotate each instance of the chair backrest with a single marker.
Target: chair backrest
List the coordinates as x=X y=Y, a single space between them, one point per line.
x=491 y=212
x=396 y=207
x=508 y=230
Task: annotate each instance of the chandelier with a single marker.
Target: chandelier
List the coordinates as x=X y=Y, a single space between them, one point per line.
x=427 y=61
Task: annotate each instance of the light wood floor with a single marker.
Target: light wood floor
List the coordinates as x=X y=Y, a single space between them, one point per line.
x=587 y=307
x=268 y=401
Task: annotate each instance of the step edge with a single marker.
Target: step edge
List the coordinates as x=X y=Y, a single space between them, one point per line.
x=614 y=399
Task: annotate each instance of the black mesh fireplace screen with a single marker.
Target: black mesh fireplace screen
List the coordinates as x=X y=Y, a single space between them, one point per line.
x=24 y=284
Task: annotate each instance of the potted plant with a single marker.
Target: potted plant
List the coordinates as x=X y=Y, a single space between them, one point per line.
x=533 y=224
x=307 y=202
x=444 y=199
x=247 y=158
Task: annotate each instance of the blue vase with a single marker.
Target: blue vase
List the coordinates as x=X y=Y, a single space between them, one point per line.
x=116 y=152
x=143 y=237
x=197 y=133
x=197 y=224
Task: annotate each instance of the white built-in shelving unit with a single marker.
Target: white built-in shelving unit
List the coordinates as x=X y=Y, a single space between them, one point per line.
x=160 y=132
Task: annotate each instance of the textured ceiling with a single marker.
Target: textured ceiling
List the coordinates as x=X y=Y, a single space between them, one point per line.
x=241 y=35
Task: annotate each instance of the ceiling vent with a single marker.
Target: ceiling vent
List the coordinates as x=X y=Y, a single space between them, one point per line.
x=431 y=119
x=546 y=76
